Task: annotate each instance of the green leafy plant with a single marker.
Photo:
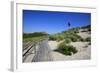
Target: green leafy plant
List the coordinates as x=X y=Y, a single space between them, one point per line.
x=56 y=37
x=52 y=37
x=88 y=39
x=67 y=40
x=66 y=49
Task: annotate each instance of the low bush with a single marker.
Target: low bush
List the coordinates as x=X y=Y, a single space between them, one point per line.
x=88 y=39
x=67 y=40
x=75 y=30
x=66 y=49
x=82 y=40
x=62 y=45
x=73 y=36
x=52 y=37
x=57 y=37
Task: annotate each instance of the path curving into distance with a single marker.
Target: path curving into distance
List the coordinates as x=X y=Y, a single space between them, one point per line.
x=43 y=53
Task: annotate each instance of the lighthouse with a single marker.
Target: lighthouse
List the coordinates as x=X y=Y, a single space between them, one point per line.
x=69 y=25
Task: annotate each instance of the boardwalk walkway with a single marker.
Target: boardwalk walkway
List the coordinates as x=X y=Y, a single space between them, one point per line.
x=43 y=53
x=39 y=52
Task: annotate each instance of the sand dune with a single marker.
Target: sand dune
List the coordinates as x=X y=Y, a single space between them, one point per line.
x=84 y=50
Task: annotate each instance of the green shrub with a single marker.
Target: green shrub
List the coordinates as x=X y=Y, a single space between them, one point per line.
x=62 y=45
x=82 y=40
x=75 y=30
x=72 y=49
x=52 y=37
x=66 y=52
x=73 y=36
x=59 y=37
x=66 y=49
x=88 y=39
x=67 y=40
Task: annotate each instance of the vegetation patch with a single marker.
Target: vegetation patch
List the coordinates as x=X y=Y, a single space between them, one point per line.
x=88 y=39
x=34 y=37
x=35 y=34
x=66 y=49
x=67 y=40
x=88 y=27
x=56 y=37
x=73 y=36
x=69 y=36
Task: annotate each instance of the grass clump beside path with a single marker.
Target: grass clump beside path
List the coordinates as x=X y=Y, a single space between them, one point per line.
x=66 y=49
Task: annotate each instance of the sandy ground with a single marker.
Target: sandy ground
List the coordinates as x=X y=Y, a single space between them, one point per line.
x=84 y=50
x=53 y=44
x=84 y=35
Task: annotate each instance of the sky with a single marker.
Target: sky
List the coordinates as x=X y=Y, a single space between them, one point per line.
x=53 y=22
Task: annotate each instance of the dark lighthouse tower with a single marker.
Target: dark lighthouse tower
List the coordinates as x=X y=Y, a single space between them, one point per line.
x=69 y=25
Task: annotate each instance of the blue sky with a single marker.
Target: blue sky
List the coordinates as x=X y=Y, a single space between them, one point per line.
x=53 y=22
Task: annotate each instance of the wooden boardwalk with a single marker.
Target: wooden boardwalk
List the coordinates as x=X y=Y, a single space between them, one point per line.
x=38 y=52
